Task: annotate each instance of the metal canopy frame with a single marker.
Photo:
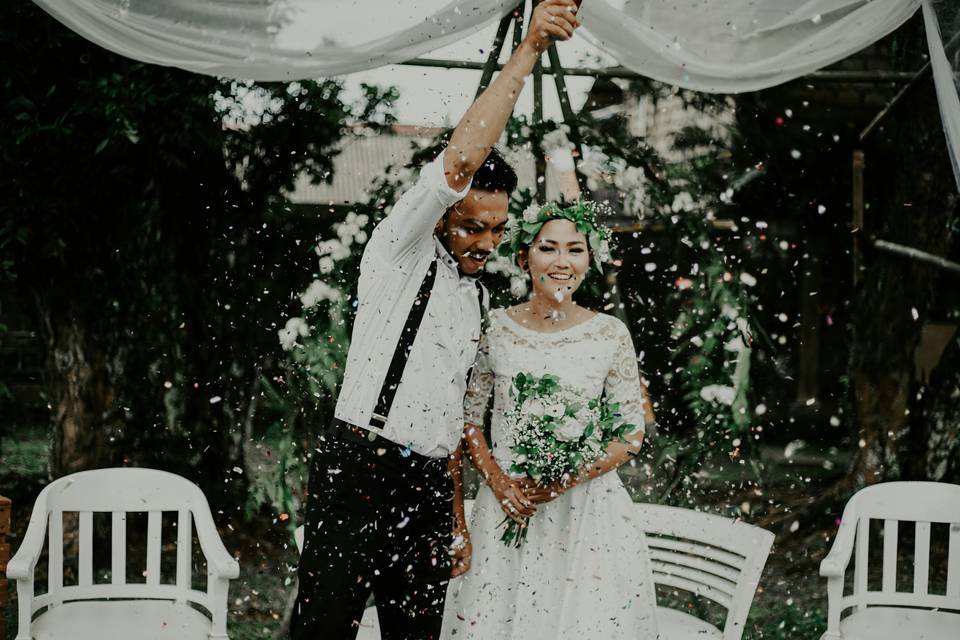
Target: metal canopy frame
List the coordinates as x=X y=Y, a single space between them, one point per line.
x=514 y=19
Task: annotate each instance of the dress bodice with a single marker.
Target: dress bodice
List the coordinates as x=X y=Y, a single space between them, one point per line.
x=594 y=358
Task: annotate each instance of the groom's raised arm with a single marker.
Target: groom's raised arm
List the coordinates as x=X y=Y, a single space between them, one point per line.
x=484 y=121
x=446 y=180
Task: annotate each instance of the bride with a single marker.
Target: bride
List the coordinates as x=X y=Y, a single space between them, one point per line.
x=582 y=570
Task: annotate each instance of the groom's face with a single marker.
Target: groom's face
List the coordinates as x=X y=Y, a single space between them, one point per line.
x=472 y=228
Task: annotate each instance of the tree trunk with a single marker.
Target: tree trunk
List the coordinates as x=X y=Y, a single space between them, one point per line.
x=936 y=455
x=81 y=379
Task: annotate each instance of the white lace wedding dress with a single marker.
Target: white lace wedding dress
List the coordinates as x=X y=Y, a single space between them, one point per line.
x=583 y=571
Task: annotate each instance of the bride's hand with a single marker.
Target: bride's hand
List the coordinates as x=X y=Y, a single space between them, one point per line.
x=541 y=494
x=512 y=500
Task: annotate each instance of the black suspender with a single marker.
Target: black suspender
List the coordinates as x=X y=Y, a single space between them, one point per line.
x=400 y=355
x=407 y=335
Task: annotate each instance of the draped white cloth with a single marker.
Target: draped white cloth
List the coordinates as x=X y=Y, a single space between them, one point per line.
x=728 y=46
x=945 y=75
x=274 y=39
x=708 y=45
x=724 y=46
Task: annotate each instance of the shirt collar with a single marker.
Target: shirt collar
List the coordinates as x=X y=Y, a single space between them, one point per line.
x=451 y=262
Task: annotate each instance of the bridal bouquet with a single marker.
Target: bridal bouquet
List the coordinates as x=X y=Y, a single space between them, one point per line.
x=555 y=432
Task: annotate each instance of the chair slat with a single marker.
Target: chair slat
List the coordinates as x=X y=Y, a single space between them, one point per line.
x=55 y=571
x=154 y=520
x=85 y=561
x=696 y=577
x=696 y=549
x=921 y=559
x=863 y=552
x=118 y=548
x=953 y=562
x=698 y=563
x=184 y=549
x=890 y=531
x=706 y=591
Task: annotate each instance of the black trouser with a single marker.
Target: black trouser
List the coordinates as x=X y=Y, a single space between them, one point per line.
x=380 y=521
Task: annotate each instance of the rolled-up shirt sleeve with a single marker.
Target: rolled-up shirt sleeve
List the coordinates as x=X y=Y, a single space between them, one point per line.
x=411 y=221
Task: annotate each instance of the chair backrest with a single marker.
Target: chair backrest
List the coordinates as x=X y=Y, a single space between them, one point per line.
x=711 y=556
x=119 y=492
x=922 y=507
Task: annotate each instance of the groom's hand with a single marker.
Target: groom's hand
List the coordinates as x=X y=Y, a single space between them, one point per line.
x=461 y=552
x=552 y=20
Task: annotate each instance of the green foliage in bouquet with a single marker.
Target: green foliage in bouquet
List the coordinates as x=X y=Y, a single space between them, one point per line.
x=556 y=432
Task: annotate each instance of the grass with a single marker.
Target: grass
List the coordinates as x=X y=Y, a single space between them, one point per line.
x=23 y=456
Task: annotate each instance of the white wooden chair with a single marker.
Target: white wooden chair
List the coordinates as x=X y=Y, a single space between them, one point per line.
x=149 y=610
x=713 y=557
x=889 y=613
x=708 y=555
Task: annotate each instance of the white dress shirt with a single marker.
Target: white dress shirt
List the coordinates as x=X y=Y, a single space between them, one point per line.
x=427 y=411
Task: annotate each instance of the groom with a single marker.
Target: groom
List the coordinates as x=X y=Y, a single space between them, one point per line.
x=379 y=515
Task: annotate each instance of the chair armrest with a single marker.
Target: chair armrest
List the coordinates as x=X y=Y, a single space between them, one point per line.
x=835 y=564
x=221 y=563
x=21 y=566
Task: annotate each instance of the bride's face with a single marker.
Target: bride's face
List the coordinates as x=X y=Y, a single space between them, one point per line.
x=558 y=259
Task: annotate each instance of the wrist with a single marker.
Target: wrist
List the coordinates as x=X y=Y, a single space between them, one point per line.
x=533 y=45
x=497 y=483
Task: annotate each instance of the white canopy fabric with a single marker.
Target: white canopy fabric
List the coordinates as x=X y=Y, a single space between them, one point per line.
x=729 y=46
x=724 y=46
x=274 y=40
x=945 y=74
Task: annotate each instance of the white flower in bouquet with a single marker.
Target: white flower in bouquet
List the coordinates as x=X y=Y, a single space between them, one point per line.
x=555 y=410
x=570 y=429
x=586 y=415
x=534 y=407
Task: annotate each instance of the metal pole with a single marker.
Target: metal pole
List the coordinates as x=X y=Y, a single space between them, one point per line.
x=494 y=55
x=518 y=24
x=861 y=77
x=517 y=34
x=915 y=81
x=917 y=254
x=569 y=117
x=537 y=138
x=859 y=164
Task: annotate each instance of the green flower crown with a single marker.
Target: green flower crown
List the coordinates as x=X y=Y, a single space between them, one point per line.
x=584 y=214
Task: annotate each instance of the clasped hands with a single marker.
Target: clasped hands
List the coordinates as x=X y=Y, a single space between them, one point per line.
x=519 y=498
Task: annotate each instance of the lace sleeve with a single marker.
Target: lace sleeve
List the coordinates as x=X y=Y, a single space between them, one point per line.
x=479 y=387
x=623 y=383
